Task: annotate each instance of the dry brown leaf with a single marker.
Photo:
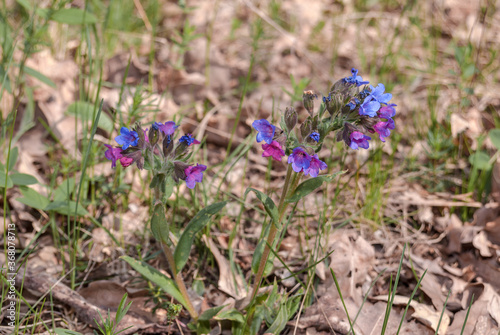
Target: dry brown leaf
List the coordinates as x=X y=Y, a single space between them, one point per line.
x=229 y=282
x=425 y=314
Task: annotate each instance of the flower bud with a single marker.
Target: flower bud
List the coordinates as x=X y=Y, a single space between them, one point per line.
x=179 y=171
x=308 y=101
x=168 y=146
x=154 y=134
x=142 y=139
x=290 y=118
x=306 y=128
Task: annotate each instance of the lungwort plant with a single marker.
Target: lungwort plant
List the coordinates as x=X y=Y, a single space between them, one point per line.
x=352 y=110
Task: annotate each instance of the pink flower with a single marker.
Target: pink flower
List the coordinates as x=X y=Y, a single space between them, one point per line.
x=273 y=150
x=194 y=174
x=315 y=166
x=126 y=161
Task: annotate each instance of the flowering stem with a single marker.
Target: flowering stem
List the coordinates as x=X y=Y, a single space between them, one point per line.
x=171 y=262
x=178 y=280
x=272 y=232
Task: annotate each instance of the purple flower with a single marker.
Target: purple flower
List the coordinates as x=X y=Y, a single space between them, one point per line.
x=355 y=79
x=377 y=94
x=369 y=108
x=299 y=159
x=189 y=139
x=265 y=129
x=315 y=136
x=113 y=154
x=194 y=174
x=168 y=128
x=273 y=150
x=387 y=112
x=127 y=138
x=359 y=140
x=383 y=129
x=315 y=166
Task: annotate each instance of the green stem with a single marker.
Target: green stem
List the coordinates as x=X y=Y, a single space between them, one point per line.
x=171 y=262
x=179 y=281
x=274 y=229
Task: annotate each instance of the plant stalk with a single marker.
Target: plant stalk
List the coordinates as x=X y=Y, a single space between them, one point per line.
x=178 y=280
x=274 y=230
x=177 y=276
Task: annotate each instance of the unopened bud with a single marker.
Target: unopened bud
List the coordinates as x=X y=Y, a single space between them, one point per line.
x=140 y=133
x=154 y=134
x=290 y=118
x=308 y=101
x=179 y=171
x=168 y=146
x=306 y=128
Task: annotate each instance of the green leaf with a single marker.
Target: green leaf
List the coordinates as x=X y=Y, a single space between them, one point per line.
x=64 y=190
x=159 y=224
x=14 y=153
x=61 y=331
x=210 y=313
x=279 y=322
x=32 y=198
x=231 y=315
x=494 y=135
x=480 y=160
x=23 y=179
x=307 y=187
x=35 y=74
x=3 y=183
x=73 y=16
x=183 y=248
x=269 y=205
x=85 y=111
x=155 y=276
x=66 y=207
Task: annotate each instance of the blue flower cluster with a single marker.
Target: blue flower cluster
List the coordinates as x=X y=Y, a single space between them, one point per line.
x=349 y=110
x=157 y=149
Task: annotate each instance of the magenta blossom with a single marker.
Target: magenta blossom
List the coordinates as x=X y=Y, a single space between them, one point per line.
x=126 y=161
x=359 y=140
x=315 y=166
x=299 y=159
x=387 y=112
x=168 y=128
x=383 y=129
x=273 y=150
x=194 y=174
x=113 y=154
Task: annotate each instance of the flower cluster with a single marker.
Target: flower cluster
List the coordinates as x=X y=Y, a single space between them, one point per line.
x=352 y=109
x=156 y=150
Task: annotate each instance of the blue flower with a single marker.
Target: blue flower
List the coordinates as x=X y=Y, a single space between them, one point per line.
x=299 y=159
x=377 y=94
x=265 y=129
x=127 y=138
x=355 y=79
x=369 y=108
x=315 y=136
x=188 y=139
